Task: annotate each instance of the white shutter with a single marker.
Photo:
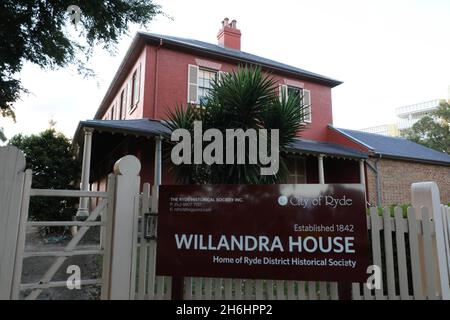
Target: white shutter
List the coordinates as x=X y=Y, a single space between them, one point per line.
x=192 y=96
x=283 y=90
x=307 y=103
x=138 y=84
x=125 y=101
x=130 y=94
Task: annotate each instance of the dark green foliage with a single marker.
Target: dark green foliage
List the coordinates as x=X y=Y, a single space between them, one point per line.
x=51 y=157
x=433 y=131
x=38 y=32
x=243 y=99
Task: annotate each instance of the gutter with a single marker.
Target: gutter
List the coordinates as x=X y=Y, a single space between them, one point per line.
x=425 y=161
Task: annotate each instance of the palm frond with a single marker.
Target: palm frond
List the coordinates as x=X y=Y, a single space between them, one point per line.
x=243 y=99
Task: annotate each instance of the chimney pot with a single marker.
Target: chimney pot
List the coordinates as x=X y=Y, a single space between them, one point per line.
x=229 y=36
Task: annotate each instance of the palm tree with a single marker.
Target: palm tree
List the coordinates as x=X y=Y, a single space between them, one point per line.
x=243 y=99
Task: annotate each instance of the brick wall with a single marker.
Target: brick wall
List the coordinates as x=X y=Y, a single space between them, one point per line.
x=397 y=176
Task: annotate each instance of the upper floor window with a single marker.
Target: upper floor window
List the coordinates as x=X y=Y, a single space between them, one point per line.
x=200 y=81
x=122 y=105
x=113 y=110
x=135 y=85
x=134 y=88
x=299 y=92
x=206 y=79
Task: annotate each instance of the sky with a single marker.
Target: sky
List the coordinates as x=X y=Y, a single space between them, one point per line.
x=388 y=53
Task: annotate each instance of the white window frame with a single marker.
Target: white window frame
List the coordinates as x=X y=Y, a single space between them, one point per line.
x=112 y=112
x=196 y=84
x=217 y=74
x=122 y=104
x=135 y=83
x=309 y=108
x=285 y=88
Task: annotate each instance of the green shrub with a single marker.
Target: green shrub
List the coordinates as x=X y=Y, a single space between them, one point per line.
x=52 y=158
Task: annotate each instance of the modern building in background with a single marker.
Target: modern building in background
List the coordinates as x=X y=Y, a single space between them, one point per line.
x=407 y=117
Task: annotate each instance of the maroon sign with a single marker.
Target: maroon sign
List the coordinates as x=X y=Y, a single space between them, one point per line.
x=291 y=232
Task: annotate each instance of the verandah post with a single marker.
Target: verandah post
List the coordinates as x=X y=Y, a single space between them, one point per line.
x=83 y=210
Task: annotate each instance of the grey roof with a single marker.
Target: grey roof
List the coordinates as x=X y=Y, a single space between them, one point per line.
x=394 y=147
x=327 y=148
x=144 y=127
x=148 y=127
x=237 y=54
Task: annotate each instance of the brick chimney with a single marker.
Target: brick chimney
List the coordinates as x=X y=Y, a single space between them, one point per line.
x=229 y=36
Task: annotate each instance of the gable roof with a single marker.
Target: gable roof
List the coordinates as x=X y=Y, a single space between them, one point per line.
x=141 y=38
x=238 y=55
x=395 y=147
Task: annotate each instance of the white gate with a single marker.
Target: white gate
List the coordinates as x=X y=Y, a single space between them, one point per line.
x=116 y=207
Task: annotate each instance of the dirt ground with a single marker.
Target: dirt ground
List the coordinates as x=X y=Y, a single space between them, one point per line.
x=35 y=267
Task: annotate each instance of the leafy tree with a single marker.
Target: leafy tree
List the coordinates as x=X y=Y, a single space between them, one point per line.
x=37 y=31
x=51 y=157
x=433 y=131
x=243 y=99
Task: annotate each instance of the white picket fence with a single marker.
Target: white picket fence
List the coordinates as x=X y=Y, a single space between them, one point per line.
x=403 y=247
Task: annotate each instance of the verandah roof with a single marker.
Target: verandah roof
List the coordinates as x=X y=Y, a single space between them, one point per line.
x=151 y=128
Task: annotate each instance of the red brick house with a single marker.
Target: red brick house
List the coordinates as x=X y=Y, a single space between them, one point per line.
x=160 y=72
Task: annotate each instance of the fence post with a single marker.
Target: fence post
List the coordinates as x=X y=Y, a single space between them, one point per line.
x=12 y=177
x=426 y=194
x=122 y=230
